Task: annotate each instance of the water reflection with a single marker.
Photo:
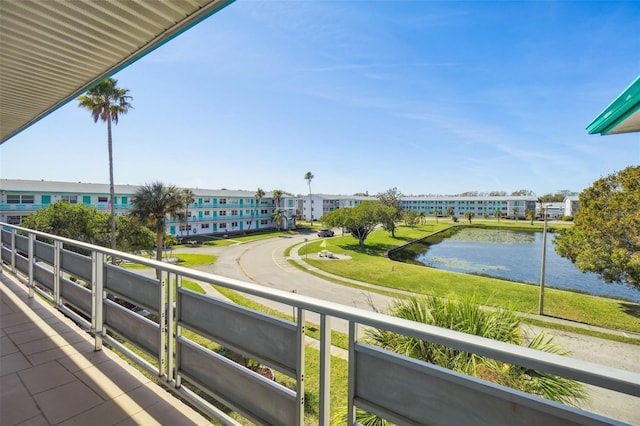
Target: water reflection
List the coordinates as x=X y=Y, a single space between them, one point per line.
x=515 y=255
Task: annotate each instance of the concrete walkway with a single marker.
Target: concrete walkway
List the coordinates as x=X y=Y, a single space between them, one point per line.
x=50 y=374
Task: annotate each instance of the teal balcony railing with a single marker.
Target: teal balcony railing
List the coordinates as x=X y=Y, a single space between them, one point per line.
x=183 y=337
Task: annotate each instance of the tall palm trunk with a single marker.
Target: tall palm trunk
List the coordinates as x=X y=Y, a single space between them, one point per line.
x=111 y=187
x=159 y=248
x=310 y=205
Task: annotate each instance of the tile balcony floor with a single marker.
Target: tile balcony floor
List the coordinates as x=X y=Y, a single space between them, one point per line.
x=50 y=374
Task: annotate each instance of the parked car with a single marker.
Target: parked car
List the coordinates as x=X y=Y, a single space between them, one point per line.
x=325 y=233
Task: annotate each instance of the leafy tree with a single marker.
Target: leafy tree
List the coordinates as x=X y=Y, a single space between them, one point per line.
x=133 y=237
x=469 y=215
x=74 y=221
x=259 y=194
x=498 y=214
x=152 y=203
x=359 y=221
x=411 y=218
x=522 y=192
x=469 y=317
x=515 y=212
x=558 y=197
x=107 y=101
x=421 y=215
x=391 y=198
x=605 y=238
x=530 y=214
x=84 y=223
x=497 y=193
x=309 y=177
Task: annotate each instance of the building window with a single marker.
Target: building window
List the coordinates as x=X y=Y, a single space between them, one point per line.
x=71 y=199
x=247 y=212
x=185 y=228
x=234 y=224
x=204 y=226
x=14 y=220
x=264 y=211
x=223 y=226
x=234 y=212
x=207 y=200
x=19 y=199
x=207 y=212
x=264 y=222
x=223 y=212
x=103 y=199
x=222 y=201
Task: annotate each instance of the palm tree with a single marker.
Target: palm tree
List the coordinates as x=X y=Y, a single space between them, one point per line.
x=515 y=213
x=277 y=196
x=498 y=213
x=451 y=212
x=469 y=317
x=469 y=215
x=277 y=216
x=152 y=203
x=187 y=197
x=107 y=101
x=309 y=177
x=257 y=196
x=530 y=214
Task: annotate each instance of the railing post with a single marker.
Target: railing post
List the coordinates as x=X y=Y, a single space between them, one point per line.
x=57 y=271
x=97 y=296
x=351 y=409
x=162 y=355
x=171 y=325
x=300 y=368
x=13 y=251
x=325 y=370
x=31 y=260
x=176 y=338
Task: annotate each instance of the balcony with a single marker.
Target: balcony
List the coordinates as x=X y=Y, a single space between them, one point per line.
x=176 y=342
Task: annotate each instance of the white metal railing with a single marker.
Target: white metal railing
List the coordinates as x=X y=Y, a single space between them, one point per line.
x=49 y=261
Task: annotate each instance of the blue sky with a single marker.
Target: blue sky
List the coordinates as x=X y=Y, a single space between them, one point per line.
x=429 y=97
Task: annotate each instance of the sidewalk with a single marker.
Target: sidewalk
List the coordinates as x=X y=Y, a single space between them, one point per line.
x=50 y=374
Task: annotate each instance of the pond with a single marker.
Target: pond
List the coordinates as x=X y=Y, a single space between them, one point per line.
x=516 y=256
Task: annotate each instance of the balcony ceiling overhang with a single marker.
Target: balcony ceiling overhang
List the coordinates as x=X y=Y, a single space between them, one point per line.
x=622 y=115
x=53 y=51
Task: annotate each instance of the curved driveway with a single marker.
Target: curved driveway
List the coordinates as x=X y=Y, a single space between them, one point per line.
x=263 y=262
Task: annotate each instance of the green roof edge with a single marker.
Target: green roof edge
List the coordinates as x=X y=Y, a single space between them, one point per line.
x=623 y=106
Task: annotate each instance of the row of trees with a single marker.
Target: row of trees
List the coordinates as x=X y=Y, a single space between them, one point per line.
x=558 y=196
x=138 y=231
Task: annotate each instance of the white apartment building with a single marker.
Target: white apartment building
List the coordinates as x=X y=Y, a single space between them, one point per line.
x=214 y=211
x=322 y=204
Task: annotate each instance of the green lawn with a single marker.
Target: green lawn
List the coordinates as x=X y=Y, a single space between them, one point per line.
x=368 y=264
x=184 y=259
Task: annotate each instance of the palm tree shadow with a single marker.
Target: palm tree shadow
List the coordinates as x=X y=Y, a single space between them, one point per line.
x=632 y=309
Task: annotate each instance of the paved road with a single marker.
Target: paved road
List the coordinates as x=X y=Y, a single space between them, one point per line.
x=263 y=262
